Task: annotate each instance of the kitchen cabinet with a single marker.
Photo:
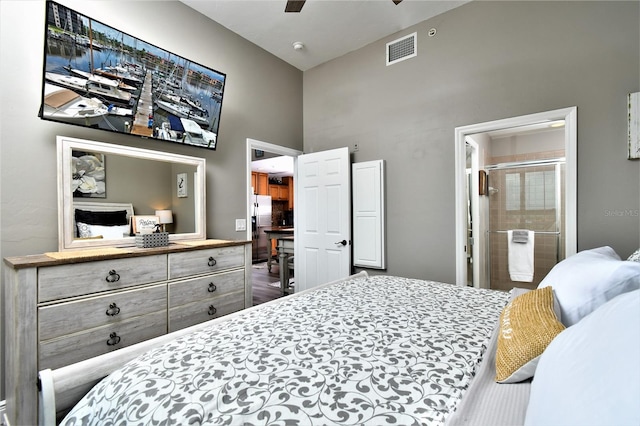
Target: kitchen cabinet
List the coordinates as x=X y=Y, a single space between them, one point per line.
x=279 y=192
x=289 y=182
x=260 y=183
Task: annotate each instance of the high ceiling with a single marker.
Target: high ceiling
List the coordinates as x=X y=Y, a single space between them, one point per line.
x=327 y=28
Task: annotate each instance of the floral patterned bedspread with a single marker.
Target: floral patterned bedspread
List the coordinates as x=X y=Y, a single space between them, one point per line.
x=380 y=350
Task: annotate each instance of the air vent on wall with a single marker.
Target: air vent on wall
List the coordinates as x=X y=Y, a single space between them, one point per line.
x=402 y=48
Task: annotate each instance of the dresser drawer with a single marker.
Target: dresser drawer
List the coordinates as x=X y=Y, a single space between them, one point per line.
x=205 y=310
x=207 y=287
x=76 y=347
x=205 y=261
x=112 y=308
x=63 y=281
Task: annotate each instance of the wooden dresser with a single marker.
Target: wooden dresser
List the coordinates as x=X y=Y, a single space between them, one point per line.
x=62 y=308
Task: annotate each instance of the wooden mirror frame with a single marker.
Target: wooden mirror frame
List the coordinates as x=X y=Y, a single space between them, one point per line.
x=66 y=234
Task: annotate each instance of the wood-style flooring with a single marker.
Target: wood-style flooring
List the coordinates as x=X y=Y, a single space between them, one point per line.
x=260 y=279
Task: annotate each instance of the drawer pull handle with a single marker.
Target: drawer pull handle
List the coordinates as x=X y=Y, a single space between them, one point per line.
x=113 y=310
x=212 y=261
x=212 y=287
x=113 y=276
x=212 y=310
x=114 y=339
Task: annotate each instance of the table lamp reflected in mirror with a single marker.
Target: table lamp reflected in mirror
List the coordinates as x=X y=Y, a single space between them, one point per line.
x=165 y=216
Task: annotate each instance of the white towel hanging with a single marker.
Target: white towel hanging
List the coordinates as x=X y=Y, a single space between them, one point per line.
x=521 y=258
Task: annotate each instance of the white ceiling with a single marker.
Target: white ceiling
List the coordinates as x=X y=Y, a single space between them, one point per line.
x=328 y=28
x=275 y=167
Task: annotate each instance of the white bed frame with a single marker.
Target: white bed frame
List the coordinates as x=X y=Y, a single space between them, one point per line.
x=61 y=389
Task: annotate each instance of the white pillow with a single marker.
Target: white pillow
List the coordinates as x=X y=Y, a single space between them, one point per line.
x=590 y=373
x=107 y=232
x=588 y=279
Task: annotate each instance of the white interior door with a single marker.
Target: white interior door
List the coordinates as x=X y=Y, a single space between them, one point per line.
x=323 y=218
x=368 y=214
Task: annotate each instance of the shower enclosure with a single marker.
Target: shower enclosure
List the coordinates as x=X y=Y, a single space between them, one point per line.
x=525 y=195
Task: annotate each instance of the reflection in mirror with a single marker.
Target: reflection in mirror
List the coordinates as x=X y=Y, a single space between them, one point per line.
x=103 y=185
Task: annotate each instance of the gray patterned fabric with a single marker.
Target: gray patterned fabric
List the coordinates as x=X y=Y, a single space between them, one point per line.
x=381 y=350
x=635 y=256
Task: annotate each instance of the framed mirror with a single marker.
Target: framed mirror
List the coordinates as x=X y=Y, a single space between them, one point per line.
x=102 y=186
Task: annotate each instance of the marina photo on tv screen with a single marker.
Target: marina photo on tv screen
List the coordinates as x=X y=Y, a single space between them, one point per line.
x=98 y=76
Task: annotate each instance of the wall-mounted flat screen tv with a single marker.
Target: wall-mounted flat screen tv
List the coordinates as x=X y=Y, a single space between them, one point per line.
x=97 y=76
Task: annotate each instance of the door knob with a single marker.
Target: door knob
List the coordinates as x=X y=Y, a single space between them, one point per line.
x=343 y=242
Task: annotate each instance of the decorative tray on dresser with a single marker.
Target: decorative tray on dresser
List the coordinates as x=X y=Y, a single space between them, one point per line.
x=65 y=307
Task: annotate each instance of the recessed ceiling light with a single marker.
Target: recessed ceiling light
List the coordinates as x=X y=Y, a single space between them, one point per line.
x=298 y=45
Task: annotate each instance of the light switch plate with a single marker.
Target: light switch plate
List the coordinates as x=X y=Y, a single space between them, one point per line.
x=241 y=224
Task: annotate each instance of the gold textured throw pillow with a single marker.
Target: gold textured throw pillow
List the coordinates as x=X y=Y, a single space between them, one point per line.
x=527 y=325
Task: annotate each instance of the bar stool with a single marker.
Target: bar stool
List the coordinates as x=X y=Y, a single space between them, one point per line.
x=291 y=267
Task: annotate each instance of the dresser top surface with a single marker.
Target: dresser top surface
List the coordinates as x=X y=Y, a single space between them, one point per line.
x=89 y=255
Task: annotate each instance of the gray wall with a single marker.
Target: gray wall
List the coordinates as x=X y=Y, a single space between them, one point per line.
x=183 y=209
x=255 y=79
x=488 y=61
x=144 y=183
x=263 y=100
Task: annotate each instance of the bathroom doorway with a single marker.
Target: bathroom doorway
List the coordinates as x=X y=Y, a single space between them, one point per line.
x=497 y=150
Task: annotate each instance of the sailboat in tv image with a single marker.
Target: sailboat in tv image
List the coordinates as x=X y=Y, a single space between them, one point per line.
x=68 y=106
x=134 y=87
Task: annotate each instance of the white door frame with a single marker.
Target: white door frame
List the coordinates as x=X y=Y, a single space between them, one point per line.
x=570 y=116
x=475 y=213
x=275 y=149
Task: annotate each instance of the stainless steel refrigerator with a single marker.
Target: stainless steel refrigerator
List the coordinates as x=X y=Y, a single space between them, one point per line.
x=260 y=219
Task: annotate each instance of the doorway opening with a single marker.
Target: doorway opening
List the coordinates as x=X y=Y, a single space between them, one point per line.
x=525 y=195
x=515 y=174
x=268 y=206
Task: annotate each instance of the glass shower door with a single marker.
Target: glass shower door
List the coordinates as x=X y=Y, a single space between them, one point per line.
x=525 y=196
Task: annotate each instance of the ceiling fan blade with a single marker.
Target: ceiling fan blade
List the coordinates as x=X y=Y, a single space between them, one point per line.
x=294 y=5
x=396 y=1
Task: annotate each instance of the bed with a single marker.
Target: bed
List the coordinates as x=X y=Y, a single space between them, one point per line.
x=369 y=350
x=95 y=220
